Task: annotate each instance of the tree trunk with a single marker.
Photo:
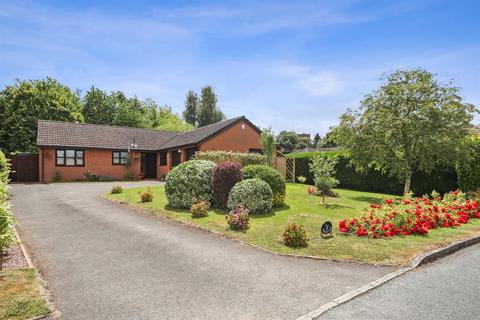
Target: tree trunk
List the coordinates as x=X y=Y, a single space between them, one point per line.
x=1 y=260
x=408 y=179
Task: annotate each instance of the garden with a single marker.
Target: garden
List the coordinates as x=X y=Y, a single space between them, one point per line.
x=255 y=205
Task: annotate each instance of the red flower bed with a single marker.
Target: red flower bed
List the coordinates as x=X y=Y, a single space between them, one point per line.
x=409 y=215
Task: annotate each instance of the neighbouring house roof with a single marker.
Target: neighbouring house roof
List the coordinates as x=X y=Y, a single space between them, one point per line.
x=200 y=134
x=82 y=135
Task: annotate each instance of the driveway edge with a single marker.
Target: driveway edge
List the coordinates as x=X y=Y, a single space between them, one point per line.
x=418 y=261
x=43 y=292
x=192 y=226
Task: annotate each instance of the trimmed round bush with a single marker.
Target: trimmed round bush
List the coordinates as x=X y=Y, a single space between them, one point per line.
x=188 y=183
x=254 y=194
x=225 y=175
x=270 y=176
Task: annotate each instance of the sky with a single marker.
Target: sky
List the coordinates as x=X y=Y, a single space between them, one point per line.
x=289 y=65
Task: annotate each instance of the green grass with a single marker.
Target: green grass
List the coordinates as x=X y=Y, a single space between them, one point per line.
x=20 y=296
x=266 y=229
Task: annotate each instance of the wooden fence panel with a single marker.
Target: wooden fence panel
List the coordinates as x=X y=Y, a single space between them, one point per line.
x=24 y=167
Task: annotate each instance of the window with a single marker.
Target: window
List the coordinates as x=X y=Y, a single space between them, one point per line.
x=120 y=157
x=70 y=157
x=163 y=158
x=254 y=150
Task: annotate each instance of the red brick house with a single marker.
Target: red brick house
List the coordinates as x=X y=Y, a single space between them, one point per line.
x=72 y=149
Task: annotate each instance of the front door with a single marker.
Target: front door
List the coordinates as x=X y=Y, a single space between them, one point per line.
x=148 y=165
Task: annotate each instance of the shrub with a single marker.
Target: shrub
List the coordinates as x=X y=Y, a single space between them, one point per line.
x=189 y=182
x=254 y=194
x=91 y=177
x=200 y=209
x=7 y=235
x=225 y=175
x=244 y=159
x=294 y=235
x=301 y=179
x=129 y=176
x=410 y=215
x=116 y=189
x=238 y=218
x=146 y=196
x=270 y=176
x=57 y=176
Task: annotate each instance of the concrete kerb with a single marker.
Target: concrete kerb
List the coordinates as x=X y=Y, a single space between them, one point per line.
x=418 y=261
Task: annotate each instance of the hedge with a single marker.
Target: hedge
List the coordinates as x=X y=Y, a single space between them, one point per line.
x=244 y=159
x=469 y=172
x=442 y=179
x=270 y=176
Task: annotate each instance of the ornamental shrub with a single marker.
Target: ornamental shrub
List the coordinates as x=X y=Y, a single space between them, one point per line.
x=244 y=159
x=301 y=179
x=270 y=176
x=254 y=194
x=294 y=235
x=200 y=209
x=146 y=196
x=225 y=175
x=7 y=235
x=188 y=183
x=116 y=189
x=238 y=218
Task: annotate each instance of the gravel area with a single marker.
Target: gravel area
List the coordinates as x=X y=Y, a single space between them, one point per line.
x=14 y=258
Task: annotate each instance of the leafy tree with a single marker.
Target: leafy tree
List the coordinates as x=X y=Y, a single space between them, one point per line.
x=269 y=147
x=287 y=140
x=323 y=170
x=411 y=123
x=303 y=142
x=129 y=112
x=191 y=107
x=207 y=110
x=328 y=140
x=170 y=121
x=25 y=102
x=98 y=107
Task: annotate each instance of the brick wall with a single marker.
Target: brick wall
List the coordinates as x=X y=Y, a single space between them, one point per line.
x=239 y=138
x=98 y=162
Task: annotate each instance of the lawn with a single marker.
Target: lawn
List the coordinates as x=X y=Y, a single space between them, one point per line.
x=20 y=296
x=266 y=229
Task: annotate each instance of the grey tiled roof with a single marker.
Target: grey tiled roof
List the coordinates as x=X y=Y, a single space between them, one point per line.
x=82 y=135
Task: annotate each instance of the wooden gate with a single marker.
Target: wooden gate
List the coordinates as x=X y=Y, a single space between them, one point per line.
x=24 y=167
x=286 y=166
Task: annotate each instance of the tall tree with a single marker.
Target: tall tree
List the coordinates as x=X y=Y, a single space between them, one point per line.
x=287 y=140
x=23 y=103
x=129 y=111
x=207 y=110
x=411 y=123
x=269 y=147
x=98 y=107
x=191 y=106
x=315 y=140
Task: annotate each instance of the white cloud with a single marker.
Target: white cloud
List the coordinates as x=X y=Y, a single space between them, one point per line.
x=316 y=83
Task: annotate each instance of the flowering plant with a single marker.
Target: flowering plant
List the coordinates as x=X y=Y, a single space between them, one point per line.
x=238 y=218
x=294 y=235
x=411 y=215
x=146 y=196
x=200 y=209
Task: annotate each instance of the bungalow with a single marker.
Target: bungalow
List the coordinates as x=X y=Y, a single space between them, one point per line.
x=72 y=149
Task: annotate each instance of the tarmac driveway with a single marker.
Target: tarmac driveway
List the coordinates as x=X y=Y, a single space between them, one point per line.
x=104 y=261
